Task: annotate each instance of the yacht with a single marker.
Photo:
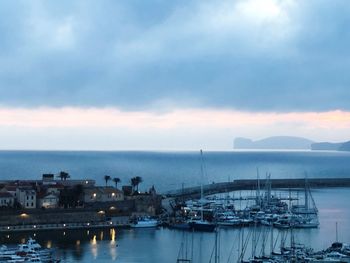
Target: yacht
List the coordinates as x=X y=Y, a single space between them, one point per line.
x=144 y=222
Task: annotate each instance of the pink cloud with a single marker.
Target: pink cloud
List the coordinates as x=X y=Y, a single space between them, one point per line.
x=111 y=117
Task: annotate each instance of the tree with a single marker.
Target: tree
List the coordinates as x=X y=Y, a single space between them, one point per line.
x=135 y=181
x=138 y=180
x=116 y=180
x=107 y=179
x=63 y=175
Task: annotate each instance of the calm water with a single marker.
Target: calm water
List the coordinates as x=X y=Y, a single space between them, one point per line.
x=168 y=170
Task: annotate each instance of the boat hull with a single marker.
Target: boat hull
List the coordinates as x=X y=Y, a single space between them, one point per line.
x=200 y=226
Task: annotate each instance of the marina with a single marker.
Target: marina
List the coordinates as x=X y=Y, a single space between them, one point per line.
x=258 y=212
x=94 y=243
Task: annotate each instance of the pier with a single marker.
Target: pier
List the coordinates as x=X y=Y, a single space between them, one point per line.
x=251 y=184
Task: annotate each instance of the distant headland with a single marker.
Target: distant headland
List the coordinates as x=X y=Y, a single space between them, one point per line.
x=289 y=143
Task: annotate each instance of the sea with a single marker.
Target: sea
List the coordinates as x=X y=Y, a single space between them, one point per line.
x=168 y=171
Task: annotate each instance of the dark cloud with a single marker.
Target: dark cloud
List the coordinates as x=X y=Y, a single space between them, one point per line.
x=133 y=55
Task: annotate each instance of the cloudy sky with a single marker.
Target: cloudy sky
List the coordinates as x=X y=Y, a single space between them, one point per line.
x=172 y=75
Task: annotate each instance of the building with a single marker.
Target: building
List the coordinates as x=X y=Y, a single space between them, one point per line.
x=12 y=189
x=54 y=189
x=48 y=179
x=6 y=199
x=47 y=200
x=26 y=197
x=102 y=194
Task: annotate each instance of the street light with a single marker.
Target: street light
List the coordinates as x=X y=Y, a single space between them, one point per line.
x=23 y=215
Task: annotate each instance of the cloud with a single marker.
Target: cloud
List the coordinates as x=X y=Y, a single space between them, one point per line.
x=181 y=129
x=252 y=55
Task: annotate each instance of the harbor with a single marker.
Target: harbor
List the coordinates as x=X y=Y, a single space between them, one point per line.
x=108 y=244
x=262 y=205
x=240 y=220
x=266 y=223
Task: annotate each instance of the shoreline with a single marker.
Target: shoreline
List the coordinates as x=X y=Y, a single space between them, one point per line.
x=68 y=226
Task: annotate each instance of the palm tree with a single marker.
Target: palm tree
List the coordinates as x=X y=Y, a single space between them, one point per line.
x=135 y=181
x=107 y=179
x=116 y=180
x=63 y=175
x=138 y=180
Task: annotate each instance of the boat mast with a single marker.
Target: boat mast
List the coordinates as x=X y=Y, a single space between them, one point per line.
x=258 y=188
x=202 y=175
x=336 y=231
x=306 y=194
x=271 y=240
x=216 y=246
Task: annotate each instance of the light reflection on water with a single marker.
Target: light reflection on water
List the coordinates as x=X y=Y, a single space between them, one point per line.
x=162 y=245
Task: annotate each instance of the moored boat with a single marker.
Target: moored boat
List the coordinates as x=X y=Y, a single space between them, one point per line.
x=202 y=225
x=144 y=222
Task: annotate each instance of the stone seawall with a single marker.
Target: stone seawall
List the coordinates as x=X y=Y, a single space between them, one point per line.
x=50 y=218
x=251 y=184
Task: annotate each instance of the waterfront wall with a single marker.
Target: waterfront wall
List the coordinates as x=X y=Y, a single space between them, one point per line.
x=50 y=218
x=92 y=213
x=251 y=184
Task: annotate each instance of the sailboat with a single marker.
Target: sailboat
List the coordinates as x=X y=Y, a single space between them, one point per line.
x=201 y=224
x=306 y=208
x=308 y=214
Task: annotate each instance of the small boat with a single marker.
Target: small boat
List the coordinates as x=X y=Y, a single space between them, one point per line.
x=307 y=223
x=202 y=225
x=332 y=257
x=181 y=225
x=230 y=221
x=33 y=244
x=144 y=222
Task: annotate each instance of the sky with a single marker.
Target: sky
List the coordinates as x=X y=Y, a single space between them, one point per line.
x=172 y=75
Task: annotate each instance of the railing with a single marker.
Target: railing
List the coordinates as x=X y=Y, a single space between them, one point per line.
x=62 y=226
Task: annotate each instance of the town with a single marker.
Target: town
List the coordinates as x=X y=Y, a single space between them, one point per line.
x=57 y=202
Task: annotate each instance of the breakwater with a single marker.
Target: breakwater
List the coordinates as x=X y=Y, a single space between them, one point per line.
x=252 y=184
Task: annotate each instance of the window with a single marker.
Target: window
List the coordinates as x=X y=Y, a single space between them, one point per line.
x=32 y=197
x=27 y=204
x=32 y=204
x=27 y=197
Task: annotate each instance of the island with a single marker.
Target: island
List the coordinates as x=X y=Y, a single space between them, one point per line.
x=275 y=142
x=289 y=143
x=329 y=146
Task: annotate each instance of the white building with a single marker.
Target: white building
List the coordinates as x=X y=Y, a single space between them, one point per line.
x=48 y=201
x=26 y=197
x=6 y=199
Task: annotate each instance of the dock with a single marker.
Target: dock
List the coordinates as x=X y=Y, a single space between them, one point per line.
x=251 y=184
